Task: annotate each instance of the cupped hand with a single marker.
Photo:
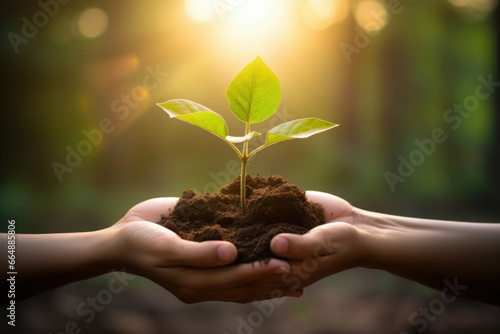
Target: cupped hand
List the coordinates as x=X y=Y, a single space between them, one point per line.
x=326 y=249
x=193 y=271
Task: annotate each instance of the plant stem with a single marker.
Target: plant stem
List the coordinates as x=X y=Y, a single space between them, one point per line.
x=243 y=183
x=243 y=177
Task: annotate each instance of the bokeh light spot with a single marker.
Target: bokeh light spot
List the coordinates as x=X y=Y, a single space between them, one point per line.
x=92 y=23
x=140 y=93
x=320 y=14
x=200 y=10
x=371 y=16
x=475 y=9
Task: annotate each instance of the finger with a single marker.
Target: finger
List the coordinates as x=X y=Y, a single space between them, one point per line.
x=226 y=277
x=322 y=198
x=322 y=240
x=333 y=206
x=274 y=280
x=249 y=273
x=203 y=254
x=152 y=209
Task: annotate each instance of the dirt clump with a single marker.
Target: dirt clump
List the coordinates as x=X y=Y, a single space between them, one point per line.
x=273 y=206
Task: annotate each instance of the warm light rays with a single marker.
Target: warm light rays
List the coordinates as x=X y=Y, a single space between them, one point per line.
x=212 y=39
x=321 y=14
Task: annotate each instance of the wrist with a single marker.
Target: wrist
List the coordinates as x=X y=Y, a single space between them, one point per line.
x=105 y=251
x=373 y=235
x=395 y=243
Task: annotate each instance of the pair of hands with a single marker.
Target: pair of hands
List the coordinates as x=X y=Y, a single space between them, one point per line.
x=196 y=272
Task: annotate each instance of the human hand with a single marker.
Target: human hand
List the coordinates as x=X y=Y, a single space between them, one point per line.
x=192 y=271
x=326 y=249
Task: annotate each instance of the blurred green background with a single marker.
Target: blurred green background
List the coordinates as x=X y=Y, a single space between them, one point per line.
x=386 y=71
x=387 y=86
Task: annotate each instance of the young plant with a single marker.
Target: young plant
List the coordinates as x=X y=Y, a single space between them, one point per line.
x=254 y=95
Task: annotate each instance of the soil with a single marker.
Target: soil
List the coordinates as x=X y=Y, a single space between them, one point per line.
x=273 y=206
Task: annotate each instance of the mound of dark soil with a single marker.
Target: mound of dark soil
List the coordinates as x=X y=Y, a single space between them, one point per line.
x=273 y=206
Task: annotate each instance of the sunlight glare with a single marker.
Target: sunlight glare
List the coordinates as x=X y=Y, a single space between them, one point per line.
x=371 y=16
x=250 y=15
x=255 y=25
x=320 y=14
x=200 y=10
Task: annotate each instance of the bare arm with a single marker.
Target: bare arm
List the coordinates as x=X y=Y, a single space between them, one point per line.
x=460 y=257
x=47 y=261
x=437 y=253
x=192 y=271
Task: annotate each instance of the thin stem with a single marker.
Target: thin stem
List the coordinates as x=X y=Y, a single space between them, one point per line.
x=243 y=177
x=235 y=148
x=257 y=150
x=243 y=183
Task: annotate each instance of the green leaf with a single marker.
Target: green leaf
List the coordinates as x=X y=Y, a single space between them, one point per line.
x=237 y=140
x=299 y=128
x=196 y=114
x=254 y=95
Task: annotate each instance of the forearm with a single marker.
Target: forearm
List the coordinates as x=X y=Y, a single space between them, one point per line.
x=47 y=261
x=432 y=251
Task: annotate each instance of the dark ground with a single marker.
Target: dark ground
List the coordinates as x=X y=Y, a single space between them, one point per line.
x=353 y=302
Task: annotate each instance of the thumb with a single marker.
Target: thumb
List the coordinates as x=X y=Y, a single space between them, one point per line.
x=317 y=242
x=205 y=254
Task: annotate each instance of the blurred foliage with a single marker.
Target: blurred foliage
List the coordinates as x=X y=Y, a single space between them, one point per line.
x=65 y=80
x=89 y=62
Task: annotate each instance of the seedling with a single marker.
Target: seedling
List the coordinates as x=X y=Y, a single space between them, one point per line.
x=254 y=95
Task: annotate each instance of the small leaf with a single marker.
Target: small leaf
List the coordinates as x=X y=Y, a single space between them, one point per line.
x=196 y=114
x=300 y=128
x=254 y=94
x=237 y=140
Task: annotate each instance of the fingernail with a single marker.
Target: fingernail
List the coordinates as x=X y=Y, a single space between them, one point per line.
x=280 y=245
x=225 y=252
x=281 y=270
